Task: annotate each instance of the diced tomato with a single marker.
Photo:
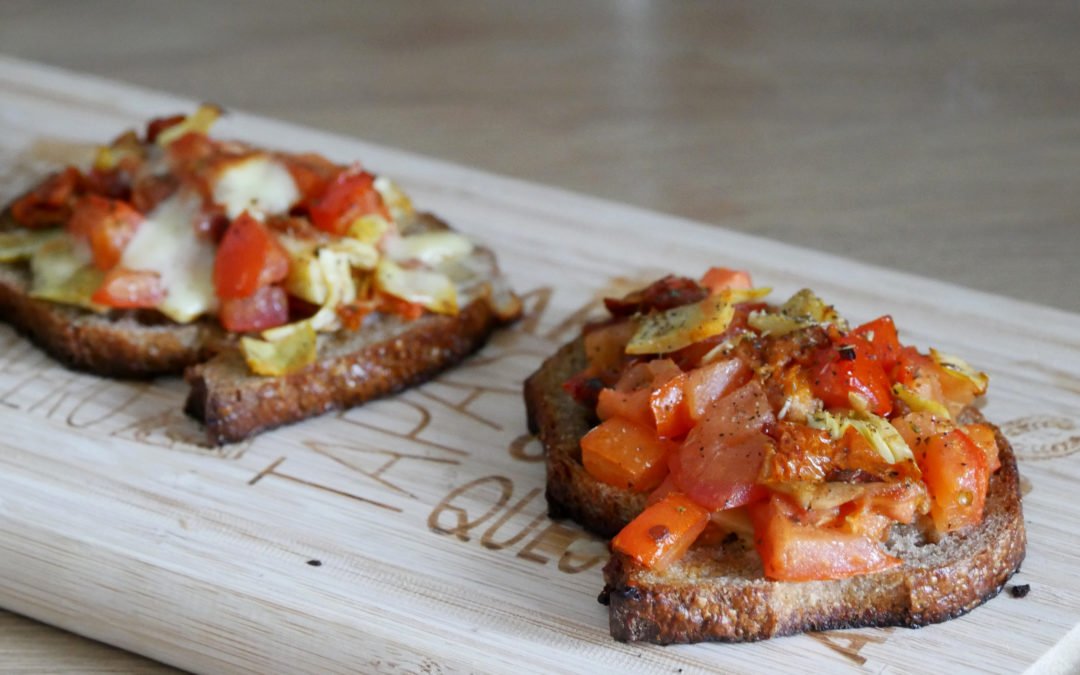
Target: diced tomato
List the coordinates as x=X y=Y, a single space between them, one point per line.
x=585 y=388
x=861 y=518
x=312 y=174
x=391 y=304
x=349 y=196
x=248 y=258
x=634 y=405
x=669 y=408
x=114 y=184
x=958 y=391
x=956 y=474
x=662 y=533
x=719 y=279
x=881 y=333
x=150 y=190
x=666 y=487
x=266 y=308
x=107 y=225
x=709 y=383
x=848 y=376
x=918 y=373
x=190 y=150
x=983 y=436
x=794 y=552
x=917 y=428
x=50 y=202
x=663 y=294
x=899 y=501
x=631 y=396
x=800 y=453
x=352 y=315
x=624 y=454
x=719 y=461
x=605 y=346
x=130 y=289
x=684 y=400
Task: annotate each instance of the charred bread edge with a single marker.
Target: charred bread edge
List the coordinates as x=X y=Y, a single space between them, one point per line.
x=673 y=606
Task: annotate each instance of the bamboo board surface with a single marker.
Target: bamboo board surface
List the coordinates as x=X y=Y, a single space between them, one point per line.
x=410 y=534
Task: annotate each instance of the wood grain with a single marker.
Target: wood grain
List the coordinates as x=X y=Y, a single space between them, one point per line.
x=410 y=534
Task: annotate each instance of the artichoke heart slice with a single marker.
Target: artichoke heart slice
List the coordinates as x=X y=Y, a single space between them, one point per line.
x=22 y=243
x=740 y=295
x=433 y=290
x=62 y=272
x=882 y=436
x=199 y=122
x=958 y=367
x=802 y=310
x=918 y=403
x=285 y=350
x=369 y=229
x=396 y=201
x=430 y=248
x=679 y=327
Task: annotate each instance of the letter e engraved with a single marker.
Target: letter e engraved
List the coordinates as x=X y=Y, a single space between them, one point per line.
x=556 y=539
x=854 y=642
x=455 y=505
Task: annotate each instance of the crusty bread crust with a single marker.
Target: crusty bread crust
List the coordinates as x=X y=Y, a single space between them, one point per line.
x=386 y=355
x=720 y=593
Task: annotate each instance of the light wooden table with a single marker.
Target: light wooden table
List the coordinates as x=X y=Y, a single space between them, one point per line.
x=940 y=140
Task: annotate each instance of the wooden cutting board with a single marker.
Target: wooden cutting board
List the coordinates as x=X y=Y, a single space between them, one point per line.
x=411 y=534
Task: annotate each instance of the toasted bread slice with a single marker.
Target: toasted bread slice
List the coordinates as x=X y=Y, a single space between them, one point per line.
x=386 y=355
x=719 y=592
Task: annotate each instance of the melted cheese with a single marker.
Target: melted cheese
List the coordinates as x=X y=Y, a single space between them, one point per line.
x=430 y=248
x=256 y=184
x=166 y=244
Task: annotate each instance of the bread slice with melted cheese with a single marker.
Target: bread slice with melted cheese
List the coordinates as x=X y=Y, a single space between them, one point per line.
x=719 y=592
x=386 y=355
